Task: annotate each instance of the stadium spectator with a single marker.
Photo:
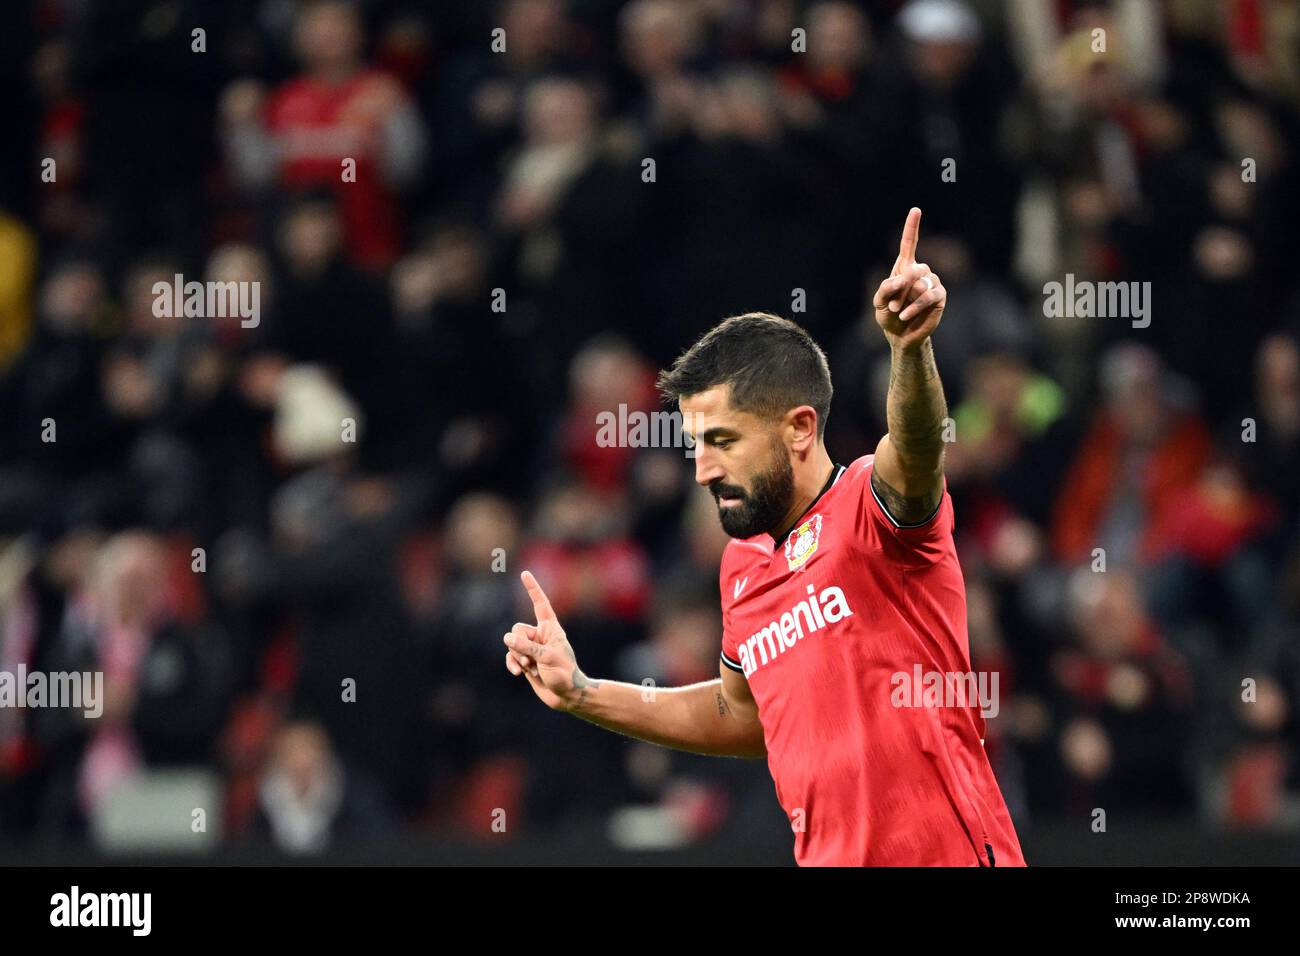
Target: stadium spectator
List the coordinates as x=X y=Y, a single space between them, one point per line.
x=307 y=801
x=1141 y=448
x=340 y=125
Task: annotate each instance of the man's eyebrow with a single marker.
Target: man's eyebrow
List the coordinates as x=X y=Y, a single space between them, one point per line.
x=718 y=431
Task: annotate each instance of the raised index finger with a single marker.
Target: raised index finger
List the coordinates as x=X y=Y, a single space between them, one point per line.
x=911 y=232
x=541 y=604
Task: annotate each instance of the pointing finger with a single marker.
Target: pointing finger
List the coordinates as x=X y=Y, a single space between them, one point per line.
x=911 y=232
x=541 y=603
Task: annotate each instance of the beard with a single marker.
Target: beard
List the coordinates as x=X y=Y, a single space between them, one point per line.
x=764 y=506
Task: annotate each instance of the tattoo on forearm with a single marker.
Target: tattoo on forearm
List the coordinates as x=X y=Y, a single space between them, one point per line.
x=916 y=410
x=916 y=407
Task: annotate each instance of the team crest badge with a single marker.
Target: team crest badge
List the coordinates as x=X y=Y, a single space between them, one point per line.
x=802 y=542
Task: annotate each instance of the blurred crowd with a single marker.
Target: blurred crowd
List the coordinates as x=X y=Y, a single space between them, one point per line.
x=292 y=545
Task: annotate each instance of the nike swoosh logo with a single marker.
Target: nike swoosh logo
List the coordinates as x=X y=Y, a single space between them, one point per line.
x=739 y=586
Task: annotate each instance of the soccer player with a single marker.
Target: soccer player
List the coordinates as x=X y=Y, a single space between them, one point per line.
x=841 y=587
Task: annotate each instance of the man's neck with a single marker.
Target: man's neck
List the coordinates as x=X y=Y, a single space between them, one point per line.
x=806 y=491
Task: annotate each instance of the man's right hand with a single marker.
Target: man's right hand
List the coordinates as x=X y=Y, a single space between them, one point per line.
x=542 y=653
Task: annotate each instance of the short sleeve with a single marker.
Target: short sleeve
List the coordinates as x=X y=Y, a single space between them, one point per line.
x=916 y=545
x=730 y=656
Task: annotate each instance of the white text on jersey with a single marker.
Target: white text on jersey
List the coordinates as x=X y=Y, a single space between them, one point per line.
x=808 y=616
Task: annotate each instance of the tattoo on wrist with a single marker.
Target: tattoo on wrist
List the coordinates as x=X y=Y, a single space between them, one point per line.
x=582 y=683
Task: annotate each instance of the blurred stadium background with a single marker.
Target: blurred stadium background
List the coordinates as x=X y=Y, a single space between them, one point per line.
x=522 y=171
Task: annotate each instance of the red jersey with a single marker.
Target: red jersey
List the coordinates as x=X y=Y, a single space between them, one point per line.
x=316 y=127
x=834 y=627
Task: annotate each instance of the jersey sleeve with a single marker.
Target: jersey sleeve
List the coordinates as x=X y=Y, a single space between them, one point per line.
x=730 y=654
x=919 y=544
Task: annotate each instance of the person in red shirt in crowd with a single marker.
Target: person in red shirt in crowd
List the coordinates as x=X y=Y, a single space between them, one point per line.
x=340 y=124
x=841 y=588
x=608 y=382
x=1143 y=449
x=580 y=545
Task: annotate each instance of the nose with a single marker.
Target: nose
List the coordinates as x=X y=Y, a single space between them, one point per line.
x=707 y=468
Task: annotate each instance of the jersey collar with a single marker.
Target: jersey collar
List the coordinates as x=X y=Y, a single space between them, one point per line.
x=837 y=470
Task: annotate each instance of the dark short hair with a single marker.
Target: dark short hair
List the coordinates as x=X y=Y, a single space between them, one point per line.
x=771 y=364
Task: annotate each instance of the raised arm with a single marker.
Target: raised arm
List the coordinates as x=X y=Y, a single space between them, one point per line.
x=908 y=470
x=718 y=717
